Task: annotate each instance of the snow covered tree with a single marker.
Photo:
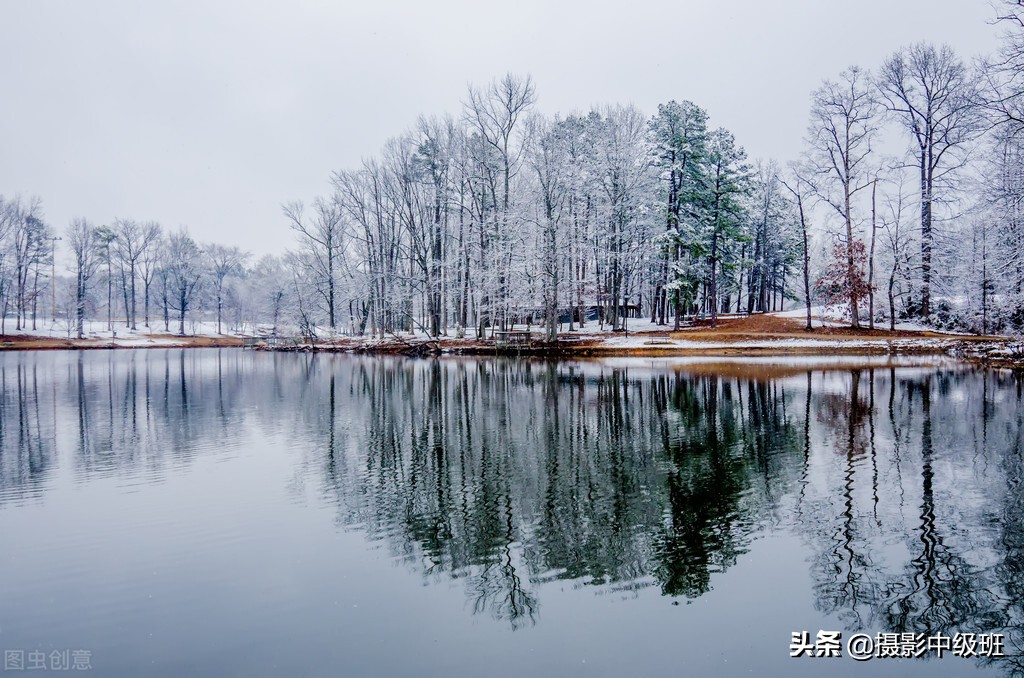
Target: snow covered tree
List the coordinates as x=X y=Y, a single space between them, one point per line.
x=1001 y=79
x=768 y=248
x=892 y=207
x=624 y=162
x=844 y=122
x=223 y=261
x=725 y=183
x=132 y=243
x=840 y=282
x=798 y=189
x=547 y=159
x=493 y=113
x=86 y=247
x=931 y=92
x=679 y=134
x=183 y=263
x=323 y=237
x=148 y=263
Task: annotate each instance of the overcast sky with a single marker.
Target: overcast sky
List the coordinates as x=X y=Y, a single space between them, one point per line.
x=211 y=114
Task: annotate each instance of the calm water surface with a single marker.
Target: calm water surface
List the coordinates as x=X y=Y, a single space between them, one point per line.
x=230 y=513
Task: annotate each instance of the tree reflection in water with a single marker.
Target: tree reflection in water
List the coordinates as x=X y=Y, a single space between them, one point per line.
x=507 y=475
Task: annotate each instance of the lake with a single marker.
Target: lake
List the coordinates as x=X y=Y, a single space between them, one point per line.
x=219 y=512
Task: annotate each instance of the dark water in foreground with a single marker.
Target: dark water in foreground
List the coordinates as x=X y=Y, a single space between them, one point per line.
x=229 y=513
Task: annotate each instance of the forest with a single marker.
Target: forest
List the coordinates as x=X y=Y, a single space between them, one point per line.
x=904 y=204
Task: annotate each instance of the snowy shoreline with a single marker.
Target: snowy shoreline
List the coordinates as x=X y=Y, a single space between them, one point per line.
x=1003 y=352
x=995 y=354
x=770 y=336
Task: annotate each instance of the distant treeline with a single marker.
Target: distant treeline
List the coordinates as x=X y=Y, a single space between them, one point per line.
x=501 y=215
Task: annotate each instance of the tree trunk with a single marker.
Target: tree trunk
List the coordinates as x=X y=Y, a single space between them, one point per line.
x=713 y=286
x=892 y=301
x=871 y=261
x=132 y=273
x=145 y=293
x=80 y=304
x=181 y=311
x=330 y=285
x=850 y=266
x=926 y=239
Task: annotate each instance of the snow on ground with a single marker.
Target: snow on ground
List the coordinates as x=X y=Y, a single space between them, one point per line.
x=838 y=316
x=645 y=341
x=823 y=316
x=632 y=325
x=917 y=327
x=642 y=334
x=801 y=312
x=98 y=331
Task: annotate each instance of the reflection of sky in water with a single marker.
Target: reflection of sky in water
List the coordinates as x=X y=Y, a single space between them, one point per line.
x=219 y=512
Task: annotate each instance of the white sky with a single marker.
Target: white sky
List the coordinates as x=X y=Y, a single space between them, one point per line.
x=212 y=114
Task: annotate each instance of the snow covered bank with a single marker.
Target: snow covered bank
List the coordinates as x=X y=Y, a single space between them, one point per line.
x=97 y=334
